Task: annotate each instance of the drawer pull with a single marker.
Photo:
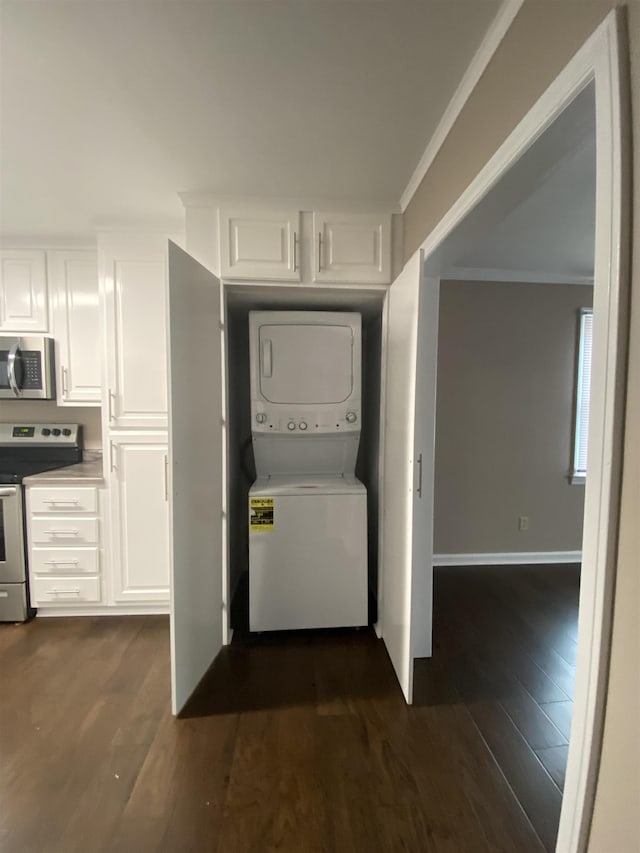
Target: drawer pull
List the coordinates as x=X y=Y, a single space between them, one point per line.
x=61 y=562
x=62 y=532
x=54 y=501
x=59 y=592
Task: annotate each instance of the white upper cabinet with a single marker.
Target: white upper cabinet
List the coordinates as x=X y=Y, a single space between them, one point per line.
x=260 y=244
x=353 y=248
x=23 y=291
x=73 y=280
x=133 y=273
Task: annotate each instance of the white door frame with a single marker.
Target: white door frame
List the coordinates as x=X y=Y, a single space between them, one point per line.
x=598 y=60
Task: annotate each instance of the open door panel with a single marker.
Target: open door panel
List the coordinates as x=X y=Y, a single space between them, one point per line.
x=196 y=481
x=406 y=607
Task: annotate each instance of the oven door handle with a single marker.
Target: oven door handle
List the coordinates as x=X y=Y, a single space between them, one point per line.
x=11 y=368
x=8 y=493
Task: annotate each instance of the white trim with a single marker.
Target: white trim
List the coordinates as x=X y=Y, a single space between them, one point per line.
x=472 y=75
x=513 y=276
x=153 y=610
x=599 y=60
x=504 y=558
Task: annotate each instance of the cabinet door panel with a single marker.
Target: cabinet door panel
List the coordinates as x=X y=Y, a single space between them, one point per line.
x=352 y=248
x=76 y=325
x=23 y=291
x=133 y=282
x=260 y=245
x=140 y=528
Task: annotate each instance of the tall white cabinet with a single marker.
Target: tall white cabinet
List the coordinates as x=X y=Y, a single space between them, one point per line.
x=133 y=276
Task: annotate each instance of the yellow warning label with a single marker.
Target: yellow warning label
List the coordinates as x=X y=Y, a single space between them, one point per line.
x=261 y=514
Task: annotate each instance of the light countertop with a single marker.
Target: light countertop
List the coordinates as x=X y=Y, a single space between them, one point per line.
x=87 y=473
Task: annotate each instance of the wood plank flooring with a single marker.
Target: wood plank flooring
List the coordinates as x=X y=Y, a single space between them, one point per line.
x=298 y=742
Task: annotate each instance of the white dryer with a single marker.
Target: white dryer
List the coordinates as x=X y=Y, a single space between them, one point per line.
x=307 y=510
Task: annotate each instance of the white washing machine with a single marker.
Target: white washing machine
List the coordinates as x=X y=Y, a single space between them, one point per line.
x=308 y=566
x=307 y=510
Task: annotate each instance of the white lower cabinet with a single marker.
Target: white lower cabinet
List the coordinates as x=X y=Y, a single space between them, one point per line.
x=64 y=547
x=138 y=497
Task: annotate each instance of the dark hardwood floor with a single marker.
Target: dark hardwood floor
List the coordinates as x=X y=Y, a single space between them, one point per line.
x=297 y=742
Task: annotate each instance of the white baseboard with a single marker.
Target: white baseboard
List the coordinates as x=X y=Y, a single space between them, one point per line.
x=517 y=558
x=124 y=610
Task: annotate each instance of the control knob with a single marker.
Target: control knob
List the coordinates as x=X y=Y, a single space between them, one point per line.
x=55 y=431
x=291 y=425
x=261 y=417
x=351 y=417
x=46 y=431
x=302 y=425
x=66 y=431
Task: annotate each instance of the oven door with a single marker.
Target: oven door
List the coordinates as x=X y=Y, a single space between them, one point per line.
x=12 y=562
x=14 y=592
x=26 y=368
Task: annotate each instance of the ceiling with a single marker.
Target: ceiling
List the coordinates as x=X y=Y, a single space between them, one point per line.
x=109 y=108
x=537 y=224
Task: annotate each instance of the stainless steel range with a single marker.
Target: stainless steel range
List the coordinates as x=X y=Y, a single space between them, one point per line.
x=26 y=449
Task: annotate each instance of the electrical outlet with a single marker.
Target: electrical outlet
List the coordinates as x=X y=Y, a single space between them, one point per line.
x=523 y=522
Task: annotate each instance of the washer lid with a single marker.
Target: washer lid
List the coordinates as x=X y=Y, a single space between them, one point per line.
x=307 y=485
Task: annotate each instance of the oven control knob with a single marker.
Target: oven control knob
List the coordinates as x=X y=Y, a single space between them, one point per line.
x=351 y=417
x=261 y=417
x=55 y=432
x=291 y=425
x=66 y=431
x=302 y=425
x=46 y=431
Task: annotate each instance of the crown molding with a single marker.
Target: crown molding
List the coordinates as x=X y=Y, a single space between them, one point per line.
x=472 y=75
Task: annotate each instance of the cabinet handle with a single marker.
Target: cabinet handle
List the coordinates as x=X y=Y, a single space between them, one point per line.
x=62 y=532
x=61 y=562
x=63 y=379
x=419 y=489
x=295 y=251
x=112 y=465
x=320 y=251
x=110 y=399
x=54 y=501
x=59 y=592
x=166 y=477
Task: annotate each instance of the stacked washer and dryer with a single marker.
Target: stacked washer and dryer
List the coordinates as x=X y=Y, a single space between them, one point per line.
x=307 y=509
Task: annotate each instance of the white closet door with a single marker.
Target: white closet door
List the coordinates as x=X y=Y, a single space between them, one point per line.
x=406 y=607
x=196 y=473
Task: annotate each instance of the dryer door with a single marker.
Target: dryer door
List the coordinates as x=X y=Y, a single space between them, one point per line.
x=306 y=364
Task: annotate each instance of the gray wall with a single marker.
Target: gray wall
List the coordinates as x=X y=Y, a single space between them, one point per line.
x=506 y=376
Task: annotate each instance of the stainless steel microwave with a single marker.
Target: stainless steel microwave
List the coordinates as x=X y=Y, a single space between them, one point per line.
x=27 y=370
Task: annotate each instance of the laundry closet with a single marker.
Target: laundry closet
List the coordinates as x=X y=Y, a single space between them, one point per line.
x=242 y=267
x=295 y=459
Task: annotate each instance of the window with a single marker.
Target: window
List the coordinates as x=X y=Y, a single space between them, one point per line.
x=583 y=397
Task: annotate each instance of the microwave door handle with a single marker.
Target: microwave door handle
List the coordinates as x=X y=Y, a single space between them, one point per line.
x=11 y=368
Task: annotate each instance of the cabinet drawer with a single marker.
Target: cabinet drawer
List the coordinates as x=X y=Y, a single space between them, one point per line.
x=64 y=499
x=52 y=590
x=64 y=560
x=64 y=531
